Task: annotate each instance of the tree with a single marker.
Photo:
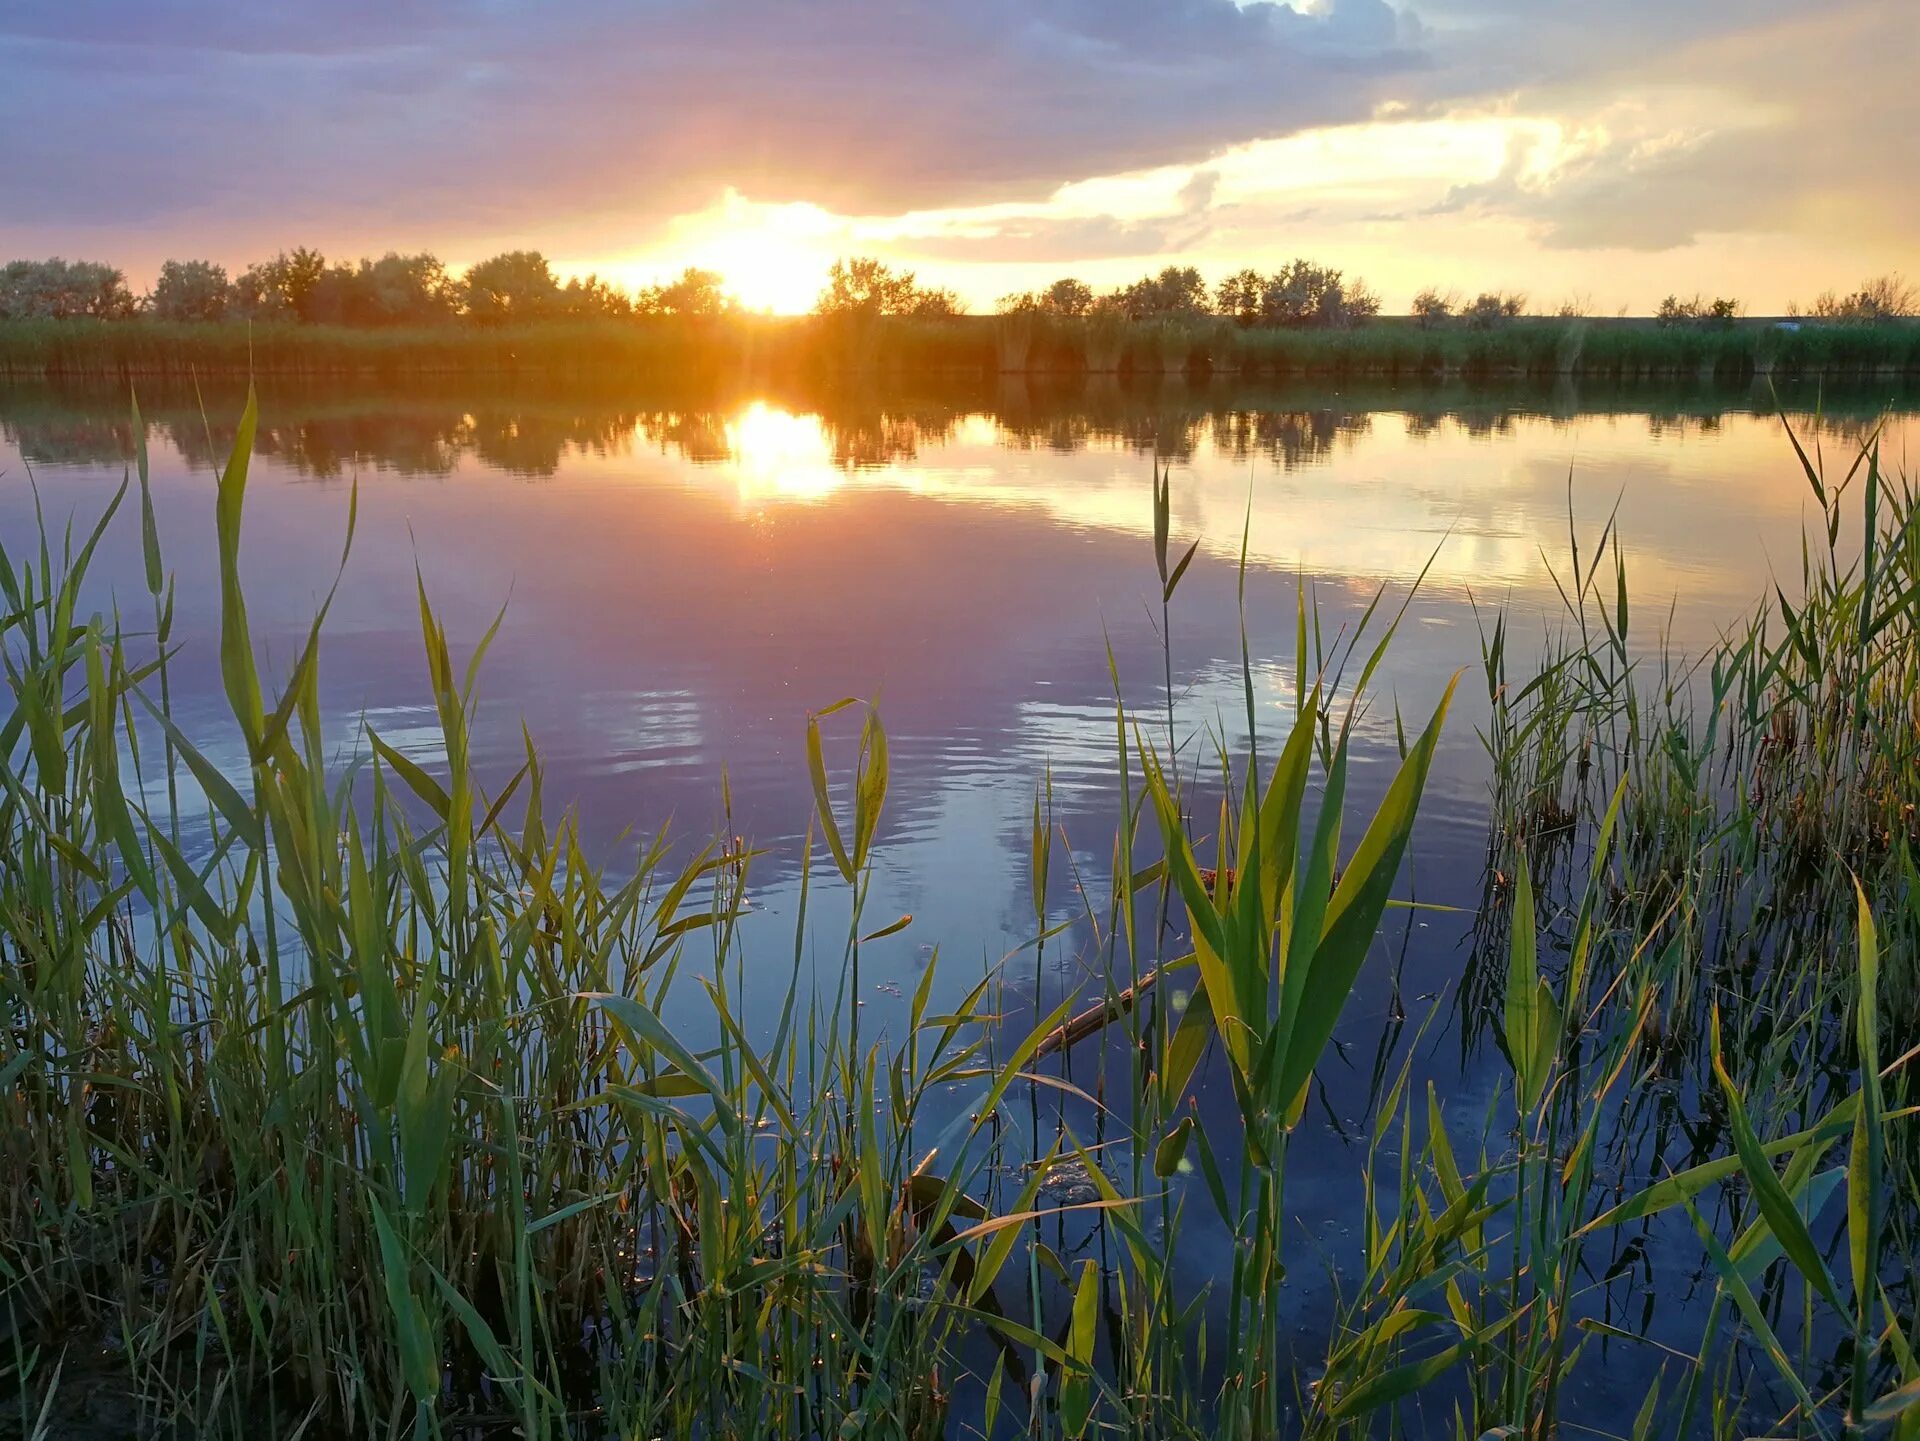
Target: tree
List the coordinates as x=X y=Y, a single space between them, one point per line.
x=1239 y=297
x=1491 y=308
x=393 y=290
x=935 y=303
x=1431 y=309
x=1067 y=296
x=1300 y=295
x=865 y=286
x=1176 y=293
x=1715 y=314
x=1360 y=303
x=593 y=298
x=189 y=290
x=1887 y=297
x=695 y=292
x=411 y=289
x=518 y=285
x=281 y=288
x=59 y=289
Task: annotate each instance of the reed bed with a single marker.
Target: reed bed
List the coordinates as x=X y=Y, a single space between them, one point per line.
x=1015 y=344
x=358 y=1099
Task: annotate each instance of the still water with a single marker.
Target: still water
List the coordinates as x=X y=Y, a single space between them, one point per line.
x=686 y=576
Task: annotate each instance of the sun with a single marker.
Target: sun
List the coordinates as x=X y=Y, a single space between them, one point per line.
x=773 y=257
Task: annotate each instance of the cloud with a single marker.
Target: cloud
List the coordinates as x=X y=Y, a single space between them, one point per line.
x=596 y=128
x=1774 y=128
x=1054 y=238
x=453 y=118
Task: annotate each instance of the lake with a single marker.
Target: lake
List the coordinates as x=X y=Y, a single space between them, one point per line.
x=686 y=576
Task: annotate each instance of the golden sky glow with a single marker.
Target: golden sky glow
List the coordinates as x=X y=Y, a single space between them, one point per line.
x=1381 y=198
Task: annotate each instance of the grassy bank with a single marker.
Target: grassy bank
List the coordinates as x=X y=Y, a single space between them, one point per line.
x=979 y=345
x=359 y=1099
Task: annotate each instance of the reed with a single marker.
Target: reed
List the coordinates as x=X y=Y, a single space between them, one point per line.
x=1023 y=343
x=361 y=1098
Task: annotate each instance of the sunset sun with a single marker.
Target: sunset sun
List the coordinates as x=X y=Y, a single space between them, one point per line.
x=770 y=257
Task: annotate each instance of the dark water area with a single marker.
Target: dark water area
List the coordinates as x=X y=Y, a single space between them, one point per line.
x=685 y=577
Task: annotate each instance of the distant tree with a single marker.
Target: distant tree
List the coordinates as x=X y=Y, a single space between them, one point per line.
x=1064 y=297
x=1067 y=296
x=281 y=288
x=1492 y=308
x=695 y=292
x=59 y=289
x=865 y=286
x=1297 y=293
x=410 y=289
x=1698 y=311
x=1430 y=308
x=593 y=297
x=936 y=303
x=343 y=295
x=1576 y=306
x=1886 y=297
x=1239 y=297
x=518 y=285
x=189 y=290
x=1361 y=303
x=1305 y=295
x=256 y=295
x=1176 y=293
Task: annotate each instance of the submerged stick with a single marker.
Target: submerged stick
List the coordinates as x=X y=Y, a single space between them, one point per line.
x=1096 y=1017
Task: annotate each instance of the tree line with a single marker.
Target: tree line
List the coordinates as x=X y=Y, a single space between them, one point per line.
x=1301 y=294
x=301 y=285
x=520 y=285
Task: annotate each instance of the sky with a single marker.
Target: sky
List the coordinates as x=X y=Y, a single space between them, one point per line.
x=1601 y=153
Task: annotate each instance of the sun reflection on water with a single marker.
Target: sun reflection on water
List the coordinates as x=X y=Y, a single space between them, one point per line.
x=778 y=456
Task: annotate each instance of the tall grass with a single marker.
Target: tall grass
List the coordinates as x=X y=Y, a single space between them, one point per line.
x=358 y=1097
x=1026 y=343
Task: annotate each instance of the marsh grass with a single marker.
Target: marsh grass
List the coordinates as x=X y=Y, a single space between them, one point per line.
x=1024 y=343
x=360 y=1098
